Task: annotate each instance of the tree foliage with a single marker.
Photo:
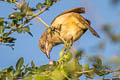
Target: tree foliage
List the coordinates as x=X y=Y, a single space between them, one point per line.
x=68 y=67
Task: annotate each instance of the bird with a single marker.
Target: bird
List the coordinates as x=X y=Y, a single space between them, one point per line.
x=72 y=26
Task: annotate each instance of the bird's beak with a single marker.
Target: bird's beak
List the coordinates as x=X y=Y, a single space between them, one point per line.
x=48 y=55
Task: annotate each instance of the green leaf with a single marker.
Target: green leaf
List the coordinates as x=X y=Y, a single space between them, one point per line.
x=38 y=6
x=40 y=77
x=43 y=68
x=19 y=30
x=30 y=13
x=57 y=75
x=86 y=66
x=16 y=16
x=67 y=56
x=64 y=72
x=99 y=61
x=61 y=52
x=5 y=70
x=89 y=75
x=26 y=69
x=2 y=29
x=24 y=8
x=5 y=35
x=19 y=63
x=17 y=72
x=28 y=77
x=9 y=1
x=11 y=68
x=13 y=1
x=10 y=39
x=32 y=64
x=101 y=72
x=48 y=2
x=79 y=54
x=1 y=19
x=26 y=29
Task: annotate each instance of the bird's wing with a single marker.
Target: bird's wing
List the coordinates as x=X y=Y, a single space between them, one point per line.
x=76 y=10
x=82 y=19
x=87 y=23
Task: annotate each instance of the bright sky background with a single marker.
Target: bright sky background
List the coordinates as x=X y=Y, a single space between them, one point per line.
x=97 y=11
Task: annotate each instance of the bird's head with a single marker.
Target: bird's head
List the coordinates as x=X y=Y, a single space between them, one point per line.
x=45 y=45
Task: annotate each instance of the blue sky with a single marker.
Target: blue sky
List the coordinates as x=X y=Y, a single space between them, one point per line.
x=97 y=11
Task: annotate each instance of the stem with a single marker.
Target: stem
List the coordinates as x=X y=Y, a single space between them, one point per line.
x=35 y=15
x=27 y=21
x=111 y=71
x=42 y=21
x=17 y=3
x=84 y=72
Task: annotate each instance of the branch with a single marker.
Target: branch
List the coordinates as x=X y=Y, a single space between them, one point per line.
x=34 y=16
x=111 y=71
x=83 y=72
x=42 y=21
x=17 y=3
x=27 y=21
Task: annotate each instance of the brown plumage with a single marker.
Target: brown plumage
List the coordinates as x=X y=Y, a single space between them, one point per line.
x=72 y=25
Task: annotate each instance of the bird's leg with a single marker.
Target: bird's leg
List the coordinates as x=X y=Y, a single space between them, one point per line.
x=61 y=52
x=54 y=29
x=69 y=44
x=57 y=31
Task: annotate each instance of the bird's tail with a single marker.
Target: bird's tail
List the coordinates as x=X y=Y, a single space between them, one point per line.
x=92 y=30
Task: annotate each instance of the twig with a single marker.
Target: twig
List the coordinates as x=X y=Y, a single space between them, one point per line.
x=42 y=21
x=84 y=72
x=32 y=17
x=113 y=71
x=35 y=15
x=19 y=5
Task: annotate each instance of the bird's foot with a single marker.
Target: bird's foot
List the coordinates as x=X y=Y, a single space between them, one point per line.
x=69 y=44
x=56 y=28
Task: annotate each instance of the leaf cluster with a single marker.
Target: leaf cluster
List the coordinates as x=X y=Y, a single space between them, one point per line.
x=19 y=19
x=66 y=68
